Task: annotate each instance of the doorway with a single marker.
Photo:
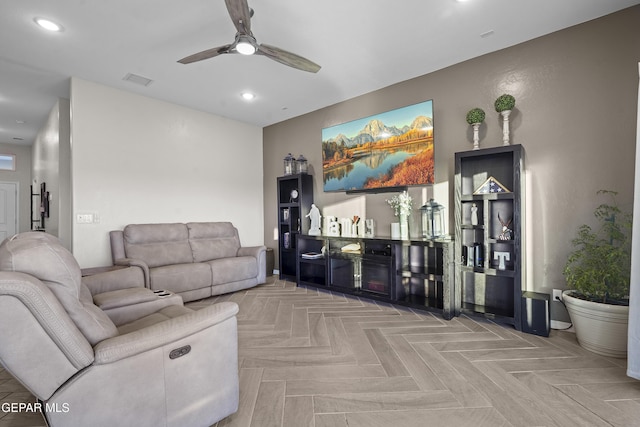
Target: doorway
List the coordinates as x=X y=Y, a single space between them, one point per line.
x=8 y=209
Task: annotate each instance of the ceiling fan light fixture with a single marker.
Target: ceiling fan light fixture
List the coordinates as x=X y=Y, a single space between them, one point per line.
x=245 y=46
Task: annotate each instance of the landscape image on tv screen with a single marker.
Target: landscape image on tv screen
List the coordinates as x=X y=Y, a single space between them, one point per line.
x=391 y=149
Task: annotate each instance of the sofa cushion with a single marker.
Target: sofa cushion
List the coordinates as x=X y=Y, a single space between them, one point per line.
x=180 y=277
x=158 y=244
x=42 y=256
x=213 y=240
x=227 y=270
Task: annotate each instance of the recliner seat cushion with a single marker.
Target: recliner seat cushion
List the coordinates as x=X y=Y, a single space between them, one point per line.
x=213 y=240
x=158 y=244
x=157 y=317
x=42 y=256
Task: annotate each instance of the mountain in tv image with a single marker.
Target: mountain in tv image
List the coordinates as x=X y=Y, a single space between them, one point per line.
x=375 y=130
x=380 y=155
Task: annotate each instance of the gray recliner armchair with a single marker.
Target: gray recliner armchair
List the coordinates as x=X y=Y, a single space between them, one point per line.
x=169 y=366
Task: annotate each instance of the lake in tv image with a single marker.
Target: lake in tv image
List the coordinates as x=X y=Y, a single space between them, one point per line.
x=391 y=149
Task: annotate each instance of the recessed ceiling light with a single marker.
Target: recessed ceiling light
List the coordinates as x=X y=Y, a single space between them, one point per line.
x=248 y=96
x=48 y=24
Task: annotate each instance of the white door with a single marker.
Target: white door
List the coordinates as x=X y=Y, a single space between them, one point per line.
x=8 y=209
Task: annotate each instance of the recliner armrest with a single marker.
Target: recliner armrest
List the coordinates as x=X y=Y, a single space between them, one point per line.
x=124 y=297
x=109 y=281
x=131 y=262
x=163 y=333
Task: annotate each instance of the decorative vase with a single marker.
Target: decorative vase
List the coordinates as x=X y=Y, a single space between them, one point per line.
x=505 y=126
x=395 y=230
x=404 y=227
x=600 y=328
x=476 y=136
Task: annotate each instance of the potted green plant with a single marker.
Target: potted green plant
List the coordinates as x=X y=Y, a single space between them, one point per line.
x=475 y=117
x=598 y=272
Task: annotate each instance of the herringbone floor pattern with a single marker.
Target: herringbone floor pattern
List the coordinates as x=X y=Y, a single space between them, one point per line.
x=321 y=359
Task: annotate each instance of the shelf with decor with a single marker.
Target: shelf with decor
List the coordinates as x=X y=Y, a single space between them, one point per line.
x=312 y=269
x=295 y=196
x=489 y=242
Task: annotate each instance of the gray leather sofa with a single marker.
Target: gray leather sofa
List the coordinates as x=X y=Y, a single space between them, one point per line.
x=158 y=364
x=195 y=260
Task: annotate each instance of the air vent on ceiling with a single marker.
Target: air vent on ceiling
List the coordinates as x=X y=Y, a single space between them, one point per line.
x=139 y=80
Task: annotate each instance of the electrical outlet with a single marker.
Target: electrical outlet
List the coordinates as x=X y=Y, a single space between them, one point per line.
x=557 y=294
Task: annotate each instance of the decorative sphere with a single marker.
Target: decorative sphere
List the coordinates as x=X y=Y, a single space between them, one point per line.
x=505 y=102
x=475 y=115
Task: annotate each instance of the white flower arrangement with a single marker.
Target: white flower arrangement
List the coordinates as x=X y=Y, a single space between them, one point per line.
x=401 y=204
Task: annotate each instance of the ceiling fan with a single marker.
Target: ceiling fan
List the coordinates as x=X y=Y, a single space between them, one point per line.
x=246 y=44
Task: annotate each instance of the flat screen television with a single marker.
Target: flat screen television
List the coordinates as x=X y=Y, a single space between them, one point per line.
x=380 y=152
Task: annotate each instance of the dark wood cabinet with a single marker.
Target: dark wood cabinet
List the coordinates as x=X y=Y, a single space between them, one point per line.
x=425 y=276
x=295 y=196
x=417 y=273
x=488 y=232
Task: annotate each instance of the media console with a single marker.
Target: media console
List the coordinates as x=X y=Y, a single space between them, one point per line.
x=414 y=273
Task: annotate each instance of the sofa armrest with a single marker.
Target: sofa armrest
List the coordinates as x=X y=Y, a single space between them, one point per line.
x=163 y=333
x=108 y=281
x=254 y=251
x=260 y=253
x=131 y=262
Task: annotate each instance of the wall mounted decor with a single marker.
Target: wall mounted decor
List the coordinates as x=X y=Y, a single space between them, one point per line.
x=44 y=201
x=381 y=152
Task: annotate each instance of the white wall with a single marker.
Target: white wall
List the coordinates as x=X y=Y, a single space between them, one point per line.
x=139 y=160
x=50 y=165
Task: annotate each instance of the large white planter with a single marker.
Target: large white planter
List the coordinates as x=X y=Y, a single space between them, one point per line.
x=600 y=328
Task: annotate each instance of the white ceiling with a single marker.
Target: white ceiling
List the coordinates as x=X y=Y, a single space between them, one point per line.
x=362 y=45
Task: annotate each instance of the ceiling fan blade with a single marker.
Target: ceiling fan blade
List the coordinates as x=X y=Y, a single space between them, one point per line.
x=240 y=15
x=288 y=58
x=206 y=54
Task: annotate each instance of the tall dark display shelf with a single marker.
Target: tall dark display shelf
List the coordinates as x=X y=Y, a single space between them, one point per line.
x=484 y=287
x=291 y=218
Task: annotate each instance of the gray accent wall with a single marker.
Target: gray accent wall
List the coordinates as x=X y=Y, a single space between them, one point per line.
x=575 y=115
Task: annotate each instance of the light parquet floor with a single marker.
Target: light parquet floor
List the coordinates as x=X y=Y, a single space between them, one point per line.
x=322 y=359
